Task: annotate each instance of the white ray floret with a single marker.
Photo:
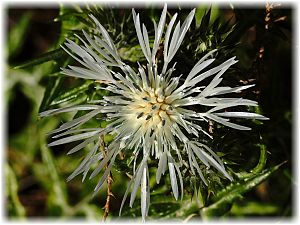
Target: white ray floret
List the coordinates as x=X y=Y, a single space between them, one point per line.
x=149 y=110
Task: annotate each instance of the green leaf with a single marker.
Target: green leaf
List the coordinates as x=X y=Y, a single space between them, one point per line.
x=91 y=212
x=244 y=175
x=69 y=18
x=58 y=187
x=52 y=90
x=204 y=26
x=260 y=165
x=164 y=207
x=132 y=53
x=71 y=94
x=17 y=34
x=12 y=185
x=49 y=56
x=245 y=20
x=201 y=13
x=234 y=191
x=253 y=209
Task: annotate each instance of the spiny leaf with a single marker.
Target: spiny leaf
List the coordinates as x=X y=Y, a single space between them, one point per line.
x=235 y=190
x=244 y=175
x=260 y=165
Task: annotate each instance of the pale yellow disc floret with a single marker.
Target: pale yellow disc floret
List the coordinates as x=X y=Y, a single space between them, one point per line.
x=150 y=109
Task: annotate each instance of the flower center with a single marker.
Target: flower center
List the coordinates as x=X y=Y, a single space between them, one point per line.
x=151 y=108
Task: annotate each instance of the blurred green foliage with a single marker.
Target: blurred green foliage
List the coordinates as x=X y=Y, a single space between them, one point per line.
x=36 y=174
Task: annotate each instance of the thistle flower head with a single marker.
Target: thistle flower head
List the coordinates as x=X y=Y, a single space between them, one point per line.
x=150 y=111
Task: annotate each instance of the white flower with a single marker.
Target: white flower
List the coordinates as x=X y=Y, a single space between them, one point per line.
x=149 y=109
